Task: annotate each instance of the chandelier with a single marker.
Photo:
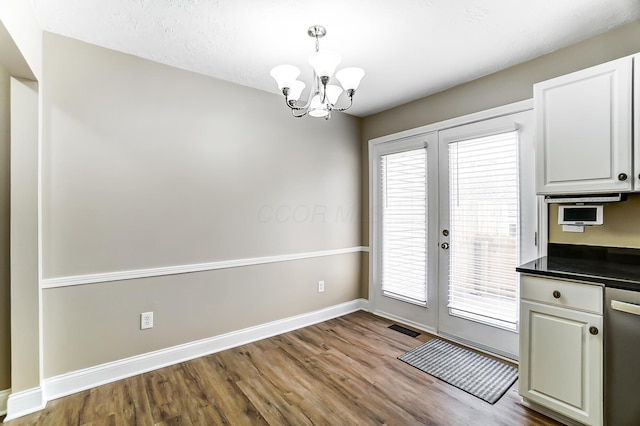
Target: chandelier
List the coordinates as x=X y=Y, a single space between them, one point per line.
x=323 y=96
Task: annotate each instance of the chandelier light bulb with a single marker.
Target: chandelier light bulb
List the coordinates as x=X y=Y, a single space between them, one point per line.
x=324 y=63
x=350 y=78
x=295 y=90
x=317 y=108
x=285 y=75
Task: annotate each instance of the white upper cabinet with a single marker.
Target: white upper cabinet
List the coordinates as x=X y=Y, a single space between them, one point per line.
x=584 y=136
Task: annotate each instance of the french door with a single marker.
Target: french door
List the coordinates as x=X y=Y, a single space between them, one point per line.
x=454 y=212
x=488 y=225
x=405 y=218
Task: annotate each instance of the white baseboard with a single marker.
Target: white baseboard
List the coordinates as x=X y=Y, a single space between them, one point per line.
x=80 y=380
x=4 y=395
x=364 y=305
x=25 y=402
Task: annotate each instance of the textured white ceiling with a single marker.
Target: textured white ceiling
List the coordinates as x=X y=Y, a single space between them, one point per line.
x=409 y=48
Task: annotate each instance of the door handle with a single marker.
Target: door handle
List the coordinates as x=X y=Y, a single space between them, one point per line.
x=445 y=246
x=629 y=308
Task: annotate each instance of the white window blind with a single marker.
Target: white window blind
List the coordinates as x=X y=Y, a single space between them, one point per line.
x=483 y=190
x=404 y=225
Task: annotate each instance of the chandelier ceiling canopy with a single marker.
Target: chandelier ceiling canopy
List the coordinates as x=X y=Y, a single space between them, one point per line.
x=323 y=97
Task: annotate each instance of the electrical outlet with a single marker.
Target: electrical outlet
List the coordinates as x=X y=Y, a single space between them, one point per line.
x=146 y=320
x=320 y=286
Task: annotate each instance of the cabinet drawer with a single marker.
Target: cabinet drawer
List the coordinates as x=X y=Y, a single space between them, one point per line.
x=585 y=297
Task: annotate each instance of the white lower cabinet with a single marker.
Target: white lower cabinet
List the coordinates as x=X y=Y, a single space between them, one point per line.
x=561 y=347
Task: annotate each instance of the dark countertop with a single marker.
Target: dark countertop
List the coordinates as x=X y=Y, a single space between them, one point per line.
x=613 y=267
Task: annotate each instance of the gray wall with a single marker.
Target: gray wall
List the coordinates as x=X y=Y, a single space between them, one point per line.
x=21 y=56
x=501 y=88
x=621 y=227
x=25 y=292
x=148 y=166
x=5 y=277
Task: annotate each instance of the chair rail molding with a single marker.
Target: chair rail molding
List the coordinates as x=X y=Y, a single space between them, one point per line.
x=48 y=283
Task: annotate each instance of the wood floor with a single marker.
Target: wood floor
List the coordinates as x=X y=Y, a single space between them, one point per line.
x=339 y=372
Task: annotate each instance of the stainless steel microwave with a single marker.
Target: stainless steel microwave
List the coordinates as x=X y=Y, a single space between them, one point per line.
x=580 y=215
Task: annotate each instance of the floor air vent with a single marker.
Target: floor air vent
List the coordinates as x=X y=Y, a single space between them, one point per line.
x=404 y=330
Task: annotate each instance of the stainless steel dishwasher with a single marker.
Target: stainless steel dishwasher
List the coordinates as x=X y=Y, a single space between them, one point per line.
x=622 y=357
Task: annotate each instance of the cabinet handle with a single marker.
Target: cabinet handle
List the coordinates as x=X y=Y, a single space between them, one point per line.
x=593 y=330
x=556 y=294
x=622 y=176
x=629 y=308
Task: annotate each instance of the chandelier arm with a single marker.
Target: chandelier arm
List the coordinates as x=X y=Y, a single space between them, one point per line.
x=347 y=107
x=293 y=105
x=293 y=112
x=290 y=104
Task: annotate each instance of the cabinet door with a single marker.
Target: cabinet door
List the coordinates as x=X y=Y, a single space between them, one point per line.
x=561 y=361
x=584 y=131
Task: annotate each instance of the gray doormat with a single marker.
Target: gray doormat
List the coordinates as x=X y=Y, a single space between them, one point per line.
x=476 y=374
